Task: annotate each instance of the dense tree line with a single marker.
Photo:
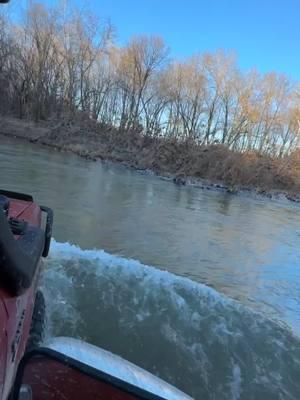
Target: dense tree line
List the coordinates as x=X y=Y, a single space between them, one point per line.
x=60 y=61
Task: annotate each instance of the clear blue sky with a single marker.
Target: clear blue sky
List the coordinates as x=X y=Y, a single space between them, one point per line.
x=264 y=33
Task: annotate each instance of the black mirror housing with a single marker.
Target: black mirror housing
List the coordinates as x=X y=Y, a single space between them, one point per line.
x=72 y=369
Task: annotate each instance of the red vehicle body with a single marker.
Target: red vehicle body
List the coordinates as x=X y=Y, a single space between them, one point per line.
x=24 y=218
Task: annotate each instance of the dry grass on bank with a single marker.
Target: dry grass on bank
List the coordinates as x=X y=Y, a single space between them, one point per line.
x=215 y=163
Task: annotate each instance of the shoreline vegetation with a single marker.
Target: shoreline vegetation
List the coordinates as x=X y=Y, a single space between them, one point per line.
x=205 y=167
x=66 y=83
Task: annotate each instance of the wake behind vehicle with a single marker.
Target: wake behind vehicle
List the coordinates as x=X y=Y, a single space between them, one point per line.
x=62 y=368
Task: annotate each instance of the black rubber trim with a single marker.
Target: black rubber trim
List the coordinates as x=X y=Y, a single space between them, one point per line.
x=48 y=231
x=19 y=258
x=16 y=195
x=4 y=204
x=37 y=328
x=17 y=226
x=141 y=394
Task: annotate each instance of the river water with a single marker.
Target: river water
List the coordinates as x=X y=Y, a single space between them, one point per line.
x=200 y=288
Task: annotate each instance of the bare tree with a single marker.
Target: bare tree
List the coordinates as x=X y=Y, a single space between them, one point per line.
x=58 y=60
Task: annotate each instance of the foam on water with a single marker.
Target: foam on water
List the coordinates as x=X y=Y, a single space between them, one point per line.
x=186 y=333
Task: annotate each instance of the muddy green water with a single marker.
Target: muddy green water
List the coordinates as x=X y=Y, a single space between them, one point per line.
x=201 y=288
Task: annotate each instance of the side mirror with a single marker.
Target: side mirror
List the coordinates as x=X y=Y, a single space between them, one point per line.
x=72 y=369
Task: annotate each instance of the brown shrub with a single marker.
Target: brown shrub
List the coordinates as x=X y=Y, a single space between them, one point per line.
x=216 y=163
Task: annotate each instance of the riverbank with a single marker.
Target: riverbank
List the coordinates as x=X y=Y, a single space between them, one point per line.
x=206 y=167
